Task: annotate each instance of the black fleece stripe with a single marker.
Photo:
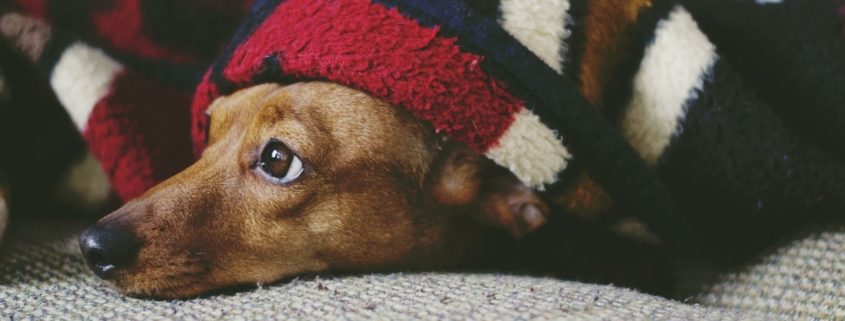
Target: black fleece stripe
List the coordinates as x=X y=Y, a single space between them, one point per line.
x=31 y=120
x=573 y=48
x=195 y=27
x=74 y=18
x=75 y=22
x=259 y=12
x=792 y=54
x=741 y=177
x=613 y=162
x=53 y=50
x=487 y=8
x=183 y=76
x=620 y=87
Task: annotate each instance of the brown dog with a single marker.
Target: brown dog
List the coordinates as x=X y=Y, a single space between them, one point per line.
x=305 y=178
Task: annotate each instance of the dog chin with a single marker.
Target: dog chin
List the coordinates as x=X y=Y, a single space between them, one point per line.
x=171 y=285
x=176 y=286
x=163 y=289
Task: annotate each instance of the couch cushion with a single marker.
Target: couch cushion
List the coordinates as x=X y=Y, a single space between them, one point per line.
x=43 y=277
x=803 y=277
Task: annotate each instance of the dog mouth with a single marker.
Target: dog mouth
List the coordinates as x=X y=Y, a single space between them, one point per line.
x=168 y=279
x=161 y=290
x=174 y=286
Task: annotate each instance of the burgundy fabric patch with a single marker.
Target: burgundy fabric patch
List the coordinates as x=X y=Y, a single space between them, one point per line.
x=138 y=134
x=122 y=26
x=377 y=50
x=35 y=8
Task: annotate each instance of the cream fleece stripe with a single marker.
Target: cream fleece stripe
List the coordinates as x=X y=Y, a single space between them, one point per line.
x=540 y=25
x=531 y=151
x=671 y=75
x=28 y=34
x=81 y=78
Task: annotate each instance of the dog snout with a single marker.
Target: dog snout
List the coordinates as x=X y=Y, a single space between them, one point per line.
x=108 y=248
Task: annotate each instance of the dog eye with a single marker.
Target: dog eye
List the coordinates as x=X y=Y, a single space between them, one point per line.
x=280 y=163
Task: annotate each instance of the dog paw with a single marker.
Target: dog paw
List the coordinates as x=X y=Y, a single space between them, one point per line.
x=513 y=206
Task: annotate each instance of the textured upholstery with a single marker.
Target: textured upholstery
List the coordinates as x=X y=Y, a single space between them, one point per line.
x=43 y=278
x=803 y=277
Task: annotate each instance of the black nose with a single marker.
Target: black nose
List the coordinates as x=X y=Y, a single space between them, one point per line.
x=107 y=249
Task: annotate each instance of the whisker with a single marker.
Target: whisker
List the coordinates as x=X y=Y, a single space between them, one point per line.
x=192 y=253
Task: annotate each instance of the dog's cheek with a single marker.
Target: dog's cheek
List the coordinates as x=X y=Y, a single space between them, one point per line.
x=268 y=249
x=376 y=242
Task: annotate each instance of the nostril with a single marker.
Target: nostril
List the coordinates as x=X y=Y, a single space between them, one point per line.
x=98 y=262
x=107 y=249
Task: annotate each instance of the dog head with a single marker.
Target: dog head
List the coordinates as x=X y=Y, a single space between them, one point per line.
x=305 y=178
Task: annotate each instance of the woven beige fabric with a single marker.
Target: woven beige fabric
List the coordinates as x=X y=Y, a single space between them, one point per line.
x=804 y=278
x=43 y=278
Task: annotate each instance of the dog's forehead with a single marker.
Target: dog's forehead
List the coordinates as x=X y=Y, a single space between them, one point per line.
x=342 y=111
x=328 y=101
x=240 y=100
x=355 y=117
x=320 y=117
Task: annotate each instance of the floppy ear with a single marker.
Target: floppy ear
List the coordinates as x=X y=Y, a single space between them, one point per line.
x=491 y=194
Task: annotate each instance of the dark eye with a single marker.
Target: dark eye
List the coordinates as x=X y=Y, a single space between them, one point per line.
x=279 y=163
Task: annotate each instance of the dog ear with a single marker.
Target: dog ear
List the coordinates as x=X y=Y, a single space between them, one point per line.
x=491 y=194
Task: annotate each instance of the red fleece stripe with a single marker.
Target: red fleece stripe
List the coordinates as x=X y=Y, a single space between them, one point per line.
x=377 y=50
x=34 y=8
x=122 y=27
x=138 y=134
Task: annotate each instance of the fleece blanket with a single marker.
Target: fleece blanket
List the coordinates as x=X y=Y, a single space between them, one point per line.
x=636 y=108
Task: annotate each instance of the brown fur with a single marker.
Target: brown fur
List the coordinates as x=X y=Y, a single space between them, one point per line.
x=379 y=190
x=585 y=198
x=609 y=29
